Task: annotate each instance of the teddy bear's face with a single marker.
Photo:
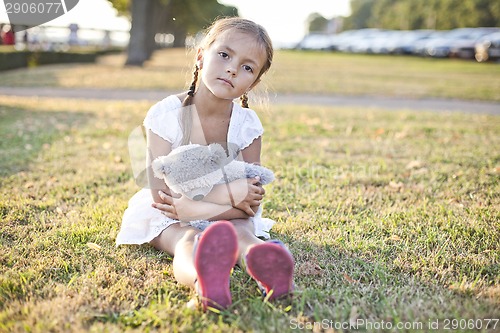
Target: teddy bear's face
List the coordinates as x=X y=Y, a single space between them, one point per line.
x=192 y=170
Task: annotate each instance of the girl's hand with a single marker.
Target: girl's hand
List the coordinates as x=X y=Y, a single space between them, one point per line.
x=185 y=209
x=167 y=207
x=247 y=193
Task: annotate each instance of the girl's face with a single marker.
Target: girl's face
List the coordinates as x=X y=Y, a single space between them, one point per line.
x=231 y=65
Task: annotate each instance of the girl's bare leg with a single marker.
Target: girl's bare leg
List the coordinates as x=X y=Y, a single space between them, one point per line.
x=246 y=237
x=178 y=241
x=270 y=264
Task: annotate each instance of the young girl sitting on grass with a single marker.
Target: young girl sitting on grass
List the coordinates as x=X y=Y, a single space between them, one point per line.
x=232 y=57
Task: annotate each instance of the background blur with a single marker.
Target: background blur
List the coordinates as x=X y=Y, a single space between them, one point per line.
x=438 y=28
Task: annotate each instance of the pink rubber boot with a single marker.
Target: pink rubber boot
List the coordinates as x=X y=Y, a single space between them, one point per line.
x=215 y=255
x=271 y=265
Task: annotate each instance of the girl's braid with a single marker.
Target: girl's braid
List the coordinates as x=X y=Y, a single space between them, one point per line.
x=186 y=120
x=195 y=79
x=188 y=100
x=244 y=100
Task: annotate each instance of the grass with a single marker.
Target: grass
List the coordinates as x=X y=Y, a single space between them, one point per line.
x=304 y=72
x=391 y=215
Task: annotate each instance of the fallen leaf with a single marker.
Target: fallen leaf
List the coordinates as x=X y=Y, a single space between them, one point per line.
x=401 y=135
x=309 y=268
x=394 y=238
x=420 y=171
x=29 y=185
x=353 y=316
x=414 y=165
x=395 y=186
x=349 y=279
x=192 y=304
x=94 y=246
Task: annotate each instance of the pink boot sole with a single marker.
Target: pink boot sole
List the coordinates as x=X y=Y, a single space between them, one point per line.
x=215 y=256
x=271 y=265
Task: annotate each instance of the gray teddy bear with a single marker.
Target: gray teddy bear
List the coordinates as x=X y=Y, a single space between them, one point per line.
x=193 y=169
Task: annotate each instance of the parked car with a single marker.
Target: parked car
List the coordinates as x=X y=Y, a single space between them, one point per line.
x=419 y=47
x=341 y=39
x=406 y=41
x=488 y=47
x=315 y=41
x=359 y=41
x=381 y=43
x=465 y=48
x=457 y=42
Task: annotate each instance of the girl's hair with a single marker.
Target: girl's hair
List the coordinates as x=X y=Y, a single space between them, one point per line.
x=214 y=31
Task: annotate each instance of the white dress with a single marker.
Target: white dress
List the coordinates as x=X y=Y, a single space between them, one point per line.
x=141 y=222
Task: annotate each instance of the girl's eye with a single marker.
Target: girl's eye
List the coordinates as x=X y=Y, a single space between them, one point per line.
x=248 y=68
x=223 y=55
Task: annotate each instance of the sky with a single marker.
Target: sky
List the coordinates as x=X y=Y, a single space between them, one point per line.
x=92 y=14
x=285 y=20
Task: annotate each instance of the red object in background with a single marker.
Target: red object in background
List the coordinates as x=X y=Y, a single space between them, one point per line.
x=8 y=37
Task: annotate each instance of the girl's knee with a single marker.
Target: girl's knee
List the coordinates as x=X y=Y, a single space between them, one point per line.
x=243 y=225
x=172 y=236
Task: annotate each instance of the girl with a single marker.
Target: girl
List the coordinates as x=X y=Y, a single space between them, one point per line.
x=229 y=63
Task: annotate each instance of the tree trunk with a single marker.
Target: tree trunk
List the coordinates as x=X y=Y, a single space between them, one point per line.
x=180 y=37
x=156 y=18
x=139 y=48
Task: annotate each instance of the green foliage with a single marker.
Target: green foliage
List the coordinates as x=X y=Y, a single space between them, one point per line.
x=122 y=6
x=185 y=15
x=316 y=22
x=416 y=14
x=360 y=16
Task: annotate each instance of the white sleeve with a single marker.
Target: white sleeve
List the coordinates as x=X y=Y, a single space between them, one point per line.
x=163 y=119
x=251 y=128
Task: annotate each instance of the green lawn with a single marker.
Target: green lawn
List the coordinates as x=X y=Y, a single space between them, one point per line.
x=392 y=217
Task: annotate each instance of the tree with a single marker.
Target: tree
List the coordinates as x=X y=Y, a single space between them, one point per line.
x=139 y=47
x=177 y=17
x=122 y=6
x=361 y=14
x=418 y=14
x=186 y=17
x=316 y=23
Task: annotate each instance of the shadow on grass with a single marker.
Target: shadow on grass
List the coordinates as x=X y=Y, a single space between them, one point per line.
x=335 y=287
x=334 y=290
x=26 y=133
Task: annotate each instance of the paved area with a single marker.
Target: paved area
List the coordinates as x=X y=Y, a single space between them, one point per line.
x=389 y=103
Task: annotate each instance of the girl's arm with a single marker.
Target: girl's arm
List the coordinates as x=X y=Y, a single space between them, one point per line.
x=238 y=191
x=251 y=154
x=185 y=209
x=244 y=194
x=156 y=146
x=247 y=192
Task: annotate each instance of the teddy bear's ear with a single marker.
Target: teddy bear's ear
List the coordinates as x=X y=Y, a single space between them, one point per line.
x=217 y=153
x=157 y=166
x=161 y=167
